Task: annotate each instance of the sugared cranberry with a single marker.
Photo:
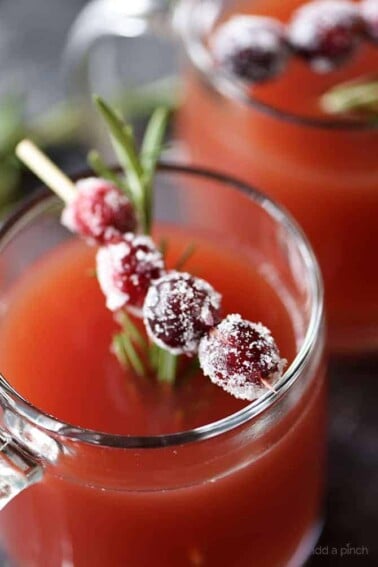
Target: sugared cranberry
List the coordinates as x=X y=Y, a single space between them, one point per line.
x=126 y=266
x=178 y=310
x=251 y=47
x=369 y=11
x=99 y=210
x=241 y=357
x=325 y=32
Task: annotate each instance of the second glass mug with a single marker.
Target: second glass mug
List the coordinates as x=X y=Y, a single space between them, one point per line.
x=244 y=490
x=326 y=174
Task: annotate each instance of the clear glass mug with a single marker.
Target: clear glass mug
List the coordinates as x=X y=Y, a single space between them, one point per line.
x=248 y=488
x=325 y=173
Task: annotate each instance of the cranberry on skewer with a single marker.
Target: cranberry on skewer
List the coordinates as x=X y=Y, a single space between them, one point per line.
x=126 y=267
x=241 y=357
x=179 y=309
x=99 y=211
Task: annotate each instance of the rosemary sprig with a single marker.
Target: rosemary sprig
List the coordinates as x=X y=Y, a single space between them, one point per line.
x=139 y=170
x=356 y=98
x=124 y=146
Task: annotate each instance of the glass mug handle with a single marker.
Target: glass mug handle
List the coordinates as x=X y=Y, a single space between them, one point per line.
x=25 y=450
x=109 y=18
x=19 y=469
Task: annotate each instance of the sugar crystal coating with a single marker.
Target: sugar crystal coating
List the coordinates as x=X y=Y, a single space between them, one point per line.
x=126 y=266
x=251 y=47
x=239 y=356
x=99 y=211
x=369 y=11
x=325 y=32
x=178 y=310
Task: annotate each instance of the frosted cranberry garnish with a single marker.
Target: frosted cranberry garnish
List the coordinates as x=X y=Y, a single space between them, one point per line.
x=241 y=357
x=325 y=32
x=251 y=47
x=99 y=211
x=179 y=309
x=369 y=12
x=126 y=266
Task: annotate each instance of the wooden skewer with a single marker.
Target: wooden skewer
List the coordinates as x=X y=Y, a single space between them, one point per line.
x=46 y=170
x=268 y=386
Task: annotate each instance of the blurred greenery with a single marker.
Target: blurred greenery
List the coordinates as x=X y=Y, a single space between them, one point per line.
x=11 y=129
x=56 y=127
x=62 y=125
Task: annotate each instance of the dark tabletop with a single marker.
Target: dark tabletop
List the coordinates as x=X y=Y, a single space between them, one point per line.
x=32 y=35
x=352 y=507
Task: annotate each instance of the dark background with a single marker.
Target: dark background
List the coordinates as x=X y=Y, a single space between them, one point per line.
x=32 y=36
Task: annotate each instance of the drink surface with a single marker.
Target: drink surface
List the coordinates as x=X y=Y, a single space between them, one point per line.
x=55 y=342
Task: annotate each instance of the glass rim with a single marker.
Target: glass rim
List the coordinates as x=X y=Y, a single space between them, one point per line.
x=223 y=84
x=66 y=431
